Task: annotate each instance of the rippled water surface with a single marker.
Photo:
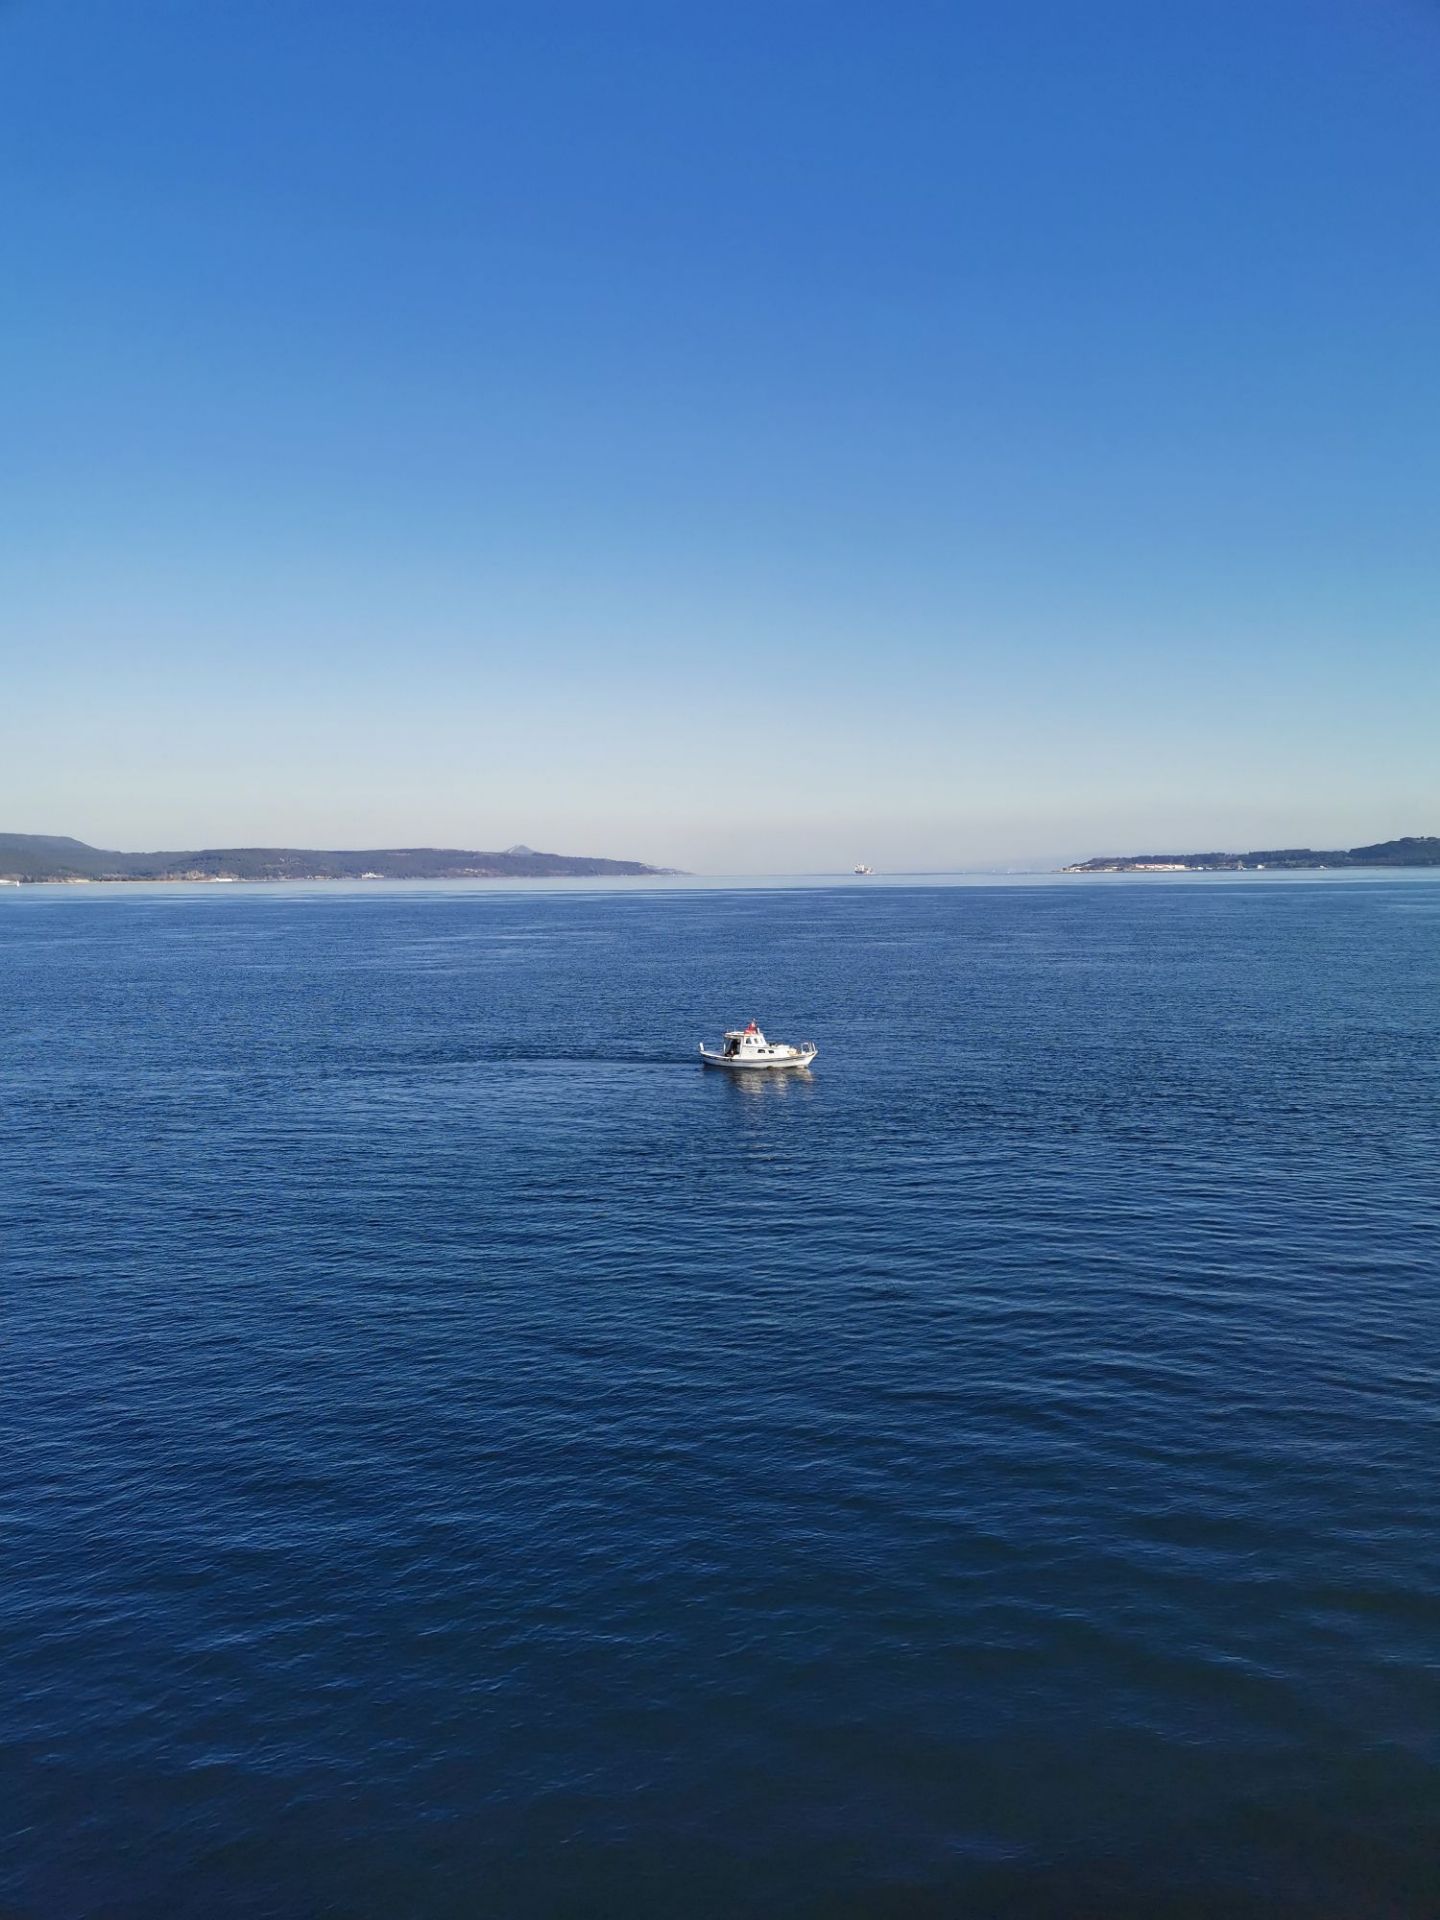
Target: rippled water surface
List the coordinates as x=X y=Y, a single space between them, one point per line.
x=461 y=1458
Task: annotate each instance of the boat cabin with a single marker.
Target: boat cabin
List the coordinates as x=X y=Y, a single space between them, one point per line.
x=742 y=1042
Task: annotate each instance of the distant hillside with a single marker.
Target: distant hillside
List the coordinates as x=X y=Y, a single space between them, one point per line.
x=43 y=856
x=1413 y=851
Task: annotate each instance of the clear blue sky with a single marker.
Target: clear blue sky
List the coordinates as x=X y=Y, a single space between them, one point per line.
x=740 y=436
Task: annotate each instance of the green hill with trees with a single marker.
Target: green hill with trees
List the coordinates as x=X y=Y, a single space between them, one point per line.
x=1421 y=850
x=39 y=856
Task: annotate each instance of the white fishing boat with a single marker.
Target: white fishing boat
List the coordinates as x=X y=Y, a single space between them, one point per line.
x=862 y=868
x=746 y=1048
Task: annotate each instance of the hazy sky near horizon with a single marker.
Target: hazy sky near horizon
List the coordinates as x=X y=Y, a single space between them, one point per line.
x=736 y=437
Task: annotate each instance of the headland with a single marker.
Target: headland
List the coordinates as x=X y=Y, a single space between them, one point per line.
x=1421 y=850
x=34 y=857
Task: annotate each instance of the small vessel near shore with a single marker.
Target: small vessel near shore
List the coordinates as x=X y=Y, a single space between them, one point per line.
x=746 y=1048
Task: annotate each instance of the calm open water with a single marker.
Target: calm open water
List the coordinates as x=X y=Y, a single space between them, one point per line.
x=461 y=1458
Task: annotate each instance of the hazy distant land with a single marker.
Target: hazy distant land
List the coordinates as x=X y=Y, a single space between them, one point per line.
x=1413 y=851
x=41 y=856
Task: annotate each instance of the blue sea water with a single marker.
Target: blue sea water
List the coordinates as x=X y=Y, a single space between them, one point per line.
x=461 y=1458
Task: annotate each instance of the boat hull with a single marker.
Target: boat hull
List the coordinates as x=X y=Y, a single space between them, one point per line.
x=770 y=1063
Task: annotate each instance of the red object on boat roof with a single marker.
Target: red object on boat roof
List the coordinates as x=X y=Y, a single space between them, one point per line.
x=752 y=1028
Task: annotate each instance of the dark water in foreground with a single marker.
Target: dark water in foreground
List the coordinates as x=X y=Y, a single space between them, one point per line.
x=460 y=1458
